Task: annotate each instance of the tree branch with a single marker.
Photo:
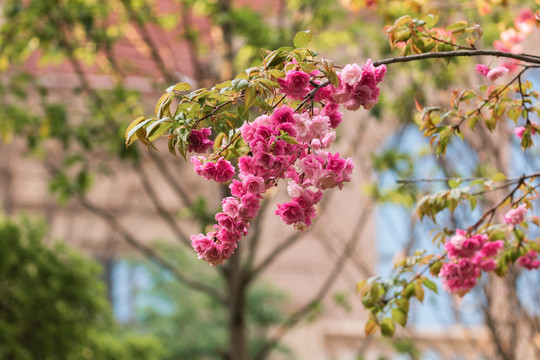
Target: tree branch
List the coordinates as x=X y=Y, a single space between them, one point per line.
x=158 y=161
x=167 y=217
x=146 y=250
x=147 y=38
x=458 y=53
x=255 y=236
x=305 y=310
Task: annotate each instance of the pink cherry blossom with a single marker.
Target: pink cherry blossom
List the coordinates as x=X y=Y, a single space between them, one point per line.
x=213 y=254
x=491 y=248
x=496 y=73
x=205 y=169
x=529 y=261
x=198 y=140
x=459 y=277
x=351 y=74
x=291 y=213
x=525 y=21
x=231 y=206
x=283 y=114
x=335 y=116
x=201 y=243
x=515 y=216
x=224 y=171
x=519 y=131
x=295 y=84
x=482 y=69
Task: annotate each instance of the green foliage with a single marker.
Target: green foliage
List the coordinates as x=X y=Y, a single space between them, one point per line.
x=53 y=304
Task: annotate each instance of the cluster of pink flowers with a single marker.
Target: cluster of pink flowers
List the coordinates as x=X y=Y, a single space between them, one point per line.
x=358 y=85
x=530 y=260
x=284 y=145
x=220 y=171
x=515 y=216
x=491 y=74
x=510 y=39
x=468 y=257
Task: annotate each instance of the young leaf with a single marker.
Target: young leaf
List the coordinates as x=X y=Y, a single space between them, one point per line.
x=419 y=291
x=399 y=316
x=250 y=96
x=430 y=285
x=387 y=327
x=302 y=38
x=371 y=327
x=431 y=20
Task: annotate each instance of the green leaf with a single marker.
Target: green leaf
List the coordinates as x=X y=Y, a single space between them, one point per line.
x=457 y=26
x=302 y=38
x=371 y=327
x=250 y=96
x=157 y=129
x=430 y=285
x=403 y=20
x=264 y=105
x=431 y=20
x=399 y=316
x=278 y=74
x=419 y=291
x=129 y=129
x=472 y=202
x=409 y=291
x=135 y=130
x=454 y=183
x=182 y=86
x=499 y=177
x=240 y=84
x=360 y=285
x=387 y=327
x=403 y=305
x=435 y=268
x=402 y=35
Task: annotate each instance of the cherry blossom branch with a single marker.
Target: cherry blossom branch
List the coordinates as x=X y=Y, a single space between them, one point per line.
x=458 y=53
x=311 y=95
x=491 y=212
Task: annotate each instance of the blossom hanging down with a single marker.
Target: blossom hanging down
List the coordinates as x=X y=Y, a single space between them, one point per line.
x=289 y=145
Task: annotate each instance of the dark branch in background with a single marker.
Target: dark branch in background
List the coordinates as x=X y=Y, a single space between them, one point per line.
x=491 y=323
x=255 y=236
x=147 y=38
x=301 y=313
x=170 y=178
x=102 y=213
x=147 y=250
x=187 y=25
x=167 y=217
